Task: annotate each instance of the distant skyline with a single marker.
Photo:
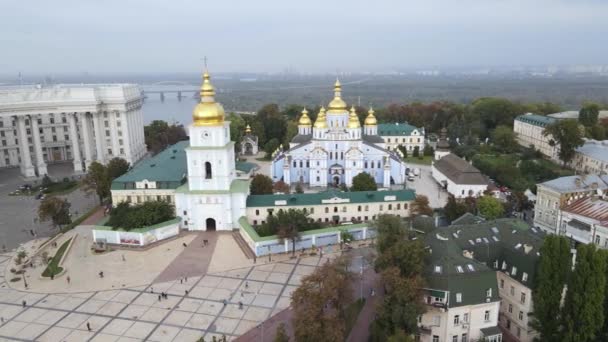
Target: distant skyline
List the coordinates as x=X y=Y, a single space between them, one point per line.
x=71 y=36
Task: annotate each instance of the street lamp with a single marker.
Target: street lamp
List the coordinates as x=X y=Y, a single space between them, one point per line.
x=24 y=281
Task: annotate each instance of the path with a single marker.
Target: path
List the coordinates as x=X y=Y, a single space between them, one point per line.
x=360 y=330
x=193 y=260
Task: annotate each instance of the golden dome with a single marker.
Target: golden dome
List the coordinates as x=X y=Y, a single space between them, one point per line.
x=321 y=119
x=304 y=119
x=353 y=119
x=337 y=105
x=248 y=129
x=370 y=120
x=208 y=112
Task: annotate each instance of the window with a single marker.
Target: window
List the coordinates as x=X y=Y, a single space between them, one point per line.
x=486 y=316
x=456 y=321
x=455 y=338
x=489 y=292
x=326 y=210
x=459 y=269
x=359 y=208
x=437 y=269
x=512 y=291
x=257 y=212
x=597 y=239
x=523 y=298
x=470 y=268
x=435 y=338
x=464 y=338
x=390 y=207
x=458 y=297
x=502 y=283
x=524 y=276
x=465 y=318
x=185 y=213
x=510 y=308
x=514 y=271
x=518 y=331
x=521 y=315
x=208 y=170
x=335 y=209
x=294 y=163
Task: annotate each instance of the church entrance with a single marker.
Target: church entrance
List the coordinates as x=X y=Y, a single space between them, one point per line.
x=210 y=224
x=248 y=149
x=337 y=180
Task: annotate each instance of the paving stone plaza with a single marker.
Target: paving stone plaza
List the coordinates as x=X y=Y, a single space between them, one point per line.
x=210 y=308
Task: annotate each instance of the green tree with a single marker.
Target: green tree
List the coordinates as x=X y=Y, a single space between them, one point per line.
x=128 y=216
x=281 y=334
x=159 y=134
x=490 y=207
x=97 y=180
x=237 y=128
x=46 y=181
x=428 y=150
x=320 y=301
x=56 y=210
x=416 y=152
x=281 y=186
x=117 y=167
x=421 y=206
x=588 y=114
x=289 y=224
x=364 y=182
x=270 y=147
x=597 y=132
x=257 y=128
x=583 y=312
x=454 y=209
x=504 y=139
x=299 y=189
x=290 y=132
x=567 y=136
x=553 y=269
x=490 y=112
x=260 y=185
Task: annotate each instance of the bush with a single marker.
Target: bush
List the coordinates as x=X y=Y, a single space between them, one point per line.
x=53 y=268
x=15 y=279
x=128 y=216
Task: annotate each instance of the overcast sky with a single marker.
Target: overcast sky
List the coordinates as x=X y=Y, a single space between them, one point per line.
x=307 y=35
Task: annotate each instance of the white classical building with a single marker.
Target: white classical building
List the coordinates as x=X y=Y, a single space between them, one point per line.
x=336 y=149
x=402 y=134
x=82 y=123
x=591 y=158
x=529 y=130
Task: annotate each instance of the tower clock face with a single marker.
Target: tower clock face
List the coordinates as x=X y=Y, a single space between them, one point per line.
x=205 y=135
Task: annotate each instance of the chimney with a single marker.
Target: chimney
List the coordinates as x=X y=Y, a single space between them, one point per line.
x=527 y=248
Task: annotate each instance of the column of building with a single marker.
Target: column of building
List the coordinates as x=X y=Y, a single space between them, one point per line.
x=125 y=126
x=75 y=143
x=86 y=137
x=114 y=134
x=27 y=169
x=98 y=138
x=40 y=164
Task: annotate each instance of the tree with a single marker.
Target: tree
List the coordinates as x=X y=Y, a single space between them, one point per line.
x=281 y=334
x=320 y=301
x=261 y=185
x=428 y=150
x=299 y=189
x=490 y=208
x=281 y=186
x=588 y=114
x=490 y=112
x=364 y=182
x=583 y=312
x=554 y=267
x=56 y=210
x=504 y=139
x=454 y=209
x=97 y=180
x=270 y=147
x=128 y=216
x=117 y=167
x=159 y=134
x=290 y=132
x=416 y=152
x=46 y=181
x=420 y=206
x=289 y=224
x=567 y=136
x=237 y=128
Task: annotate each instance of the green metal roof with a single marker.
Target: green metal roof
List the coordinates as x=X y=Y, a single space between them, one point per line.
x=168 y=166
x=537 y=120
x=392 y=129
x=319 y=197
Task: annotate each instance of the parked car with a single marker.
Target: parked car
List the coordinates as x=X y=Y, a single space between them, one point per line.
x=25 y=187
x=416 y=171
x=410 y=178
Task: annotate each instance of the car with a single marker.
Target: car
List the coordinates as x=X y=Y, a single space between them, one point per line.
x=410 y=178
x=25 y=187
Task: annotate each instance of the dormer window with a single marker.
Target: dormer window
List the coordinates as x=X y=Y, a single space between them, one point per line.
x=524 y=276
x=438 y=269
x=459 y=269
x=458 y=297
x=489 y=292
x=514 y=271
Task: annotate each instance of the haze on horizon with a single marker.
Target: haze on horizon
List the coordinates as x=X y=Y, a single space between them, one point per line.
x=108 y=36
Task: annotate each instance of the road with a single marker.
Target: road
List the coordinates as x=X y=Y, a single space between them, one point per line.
x=425 y=185
x=18 y=213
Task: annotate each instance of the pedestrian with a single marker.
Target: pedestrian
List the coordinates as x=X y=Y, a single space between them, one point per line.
x=254 y=259
x=186 y=279
x=2 y=319
x=52 y=276
x=186 y=292
x=23 y=303
x=159 y=297
x=246 y=284
x=68 y=279
x=123 y=258
x=184 y=244
x=240 y=305
x=181 y=280
x=225 y=302
x=88 y=326
x=151 y=290
x=100 y=274
x=242 y=294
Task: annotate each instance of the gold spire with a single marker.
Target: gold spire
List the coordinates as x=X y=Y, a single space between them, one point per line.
x=248 y=129
x=370 y=120
x=321 y=119
x=337 y=105
x=304 y=119
x=353 y=119
x=208 y=112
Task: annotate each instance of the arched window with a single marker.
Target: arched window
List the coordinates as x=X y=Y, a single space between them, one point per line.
x=342 y=155
x=208 y=171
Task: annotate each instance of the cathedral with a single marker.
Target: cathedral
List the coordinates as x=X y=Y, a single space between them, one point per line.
x=336 y=148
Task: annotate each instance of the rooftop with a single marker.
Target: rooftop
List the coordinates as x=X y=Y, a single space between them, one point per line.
x=392 y=129
x=576 y=183
x=591 y=207
x=330 y=197
x=573 y=114
x=459 y=170
x=537 y=120
x=597 y=150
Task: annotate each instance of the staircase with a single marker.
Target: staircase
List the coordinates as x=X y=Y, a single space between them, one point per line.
x=243 y=245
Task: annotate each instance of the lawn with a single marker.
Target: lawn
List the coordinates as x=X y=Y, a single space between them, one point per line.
x=425 y=160
x=352 y=313
x=53 y=267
